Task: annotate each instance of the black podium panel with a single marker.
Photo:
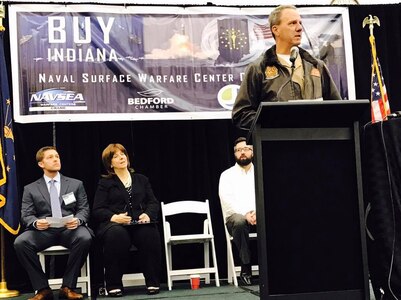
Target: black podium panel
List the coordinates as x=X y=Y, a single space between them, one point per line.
x=313 y=241
x=309 y=201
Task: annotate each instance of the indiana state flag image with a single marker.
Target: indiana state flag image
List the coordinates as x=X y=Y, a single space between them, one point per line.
x=233 y=40
x=9 y=204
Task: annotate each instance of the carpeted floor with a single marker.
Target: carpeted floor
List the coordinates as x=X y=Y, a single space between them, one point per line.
x=182 y=291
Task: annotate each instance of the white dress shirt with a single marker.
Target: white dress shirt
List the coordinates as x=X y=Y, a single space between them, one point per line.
x=237 y=190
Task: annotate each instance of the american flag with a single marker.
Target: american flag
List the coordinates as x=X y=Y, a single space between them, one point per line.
x=262 y=32
x=380 y=106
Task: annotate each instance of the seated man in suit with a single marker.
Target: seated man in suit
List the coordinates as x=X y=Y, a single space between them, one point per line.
x=237 y=197
x=53 y=195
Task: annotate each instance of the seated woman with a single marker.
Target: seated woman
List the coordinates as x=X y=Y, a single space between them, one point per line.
x=124 y=213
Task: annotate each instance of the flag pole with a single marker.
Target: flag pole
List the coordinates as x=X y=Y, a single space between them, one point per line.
x=4 y=292
x=372 y=21
x=2 y=15
x=380 y=106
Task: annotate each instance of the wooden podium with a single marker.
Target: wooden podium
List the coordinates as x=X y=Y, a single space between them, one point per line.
x=310 y=212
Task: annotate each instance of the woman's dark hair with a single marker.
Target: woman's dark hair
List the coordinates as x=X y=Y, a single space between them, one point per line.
x=107 y=156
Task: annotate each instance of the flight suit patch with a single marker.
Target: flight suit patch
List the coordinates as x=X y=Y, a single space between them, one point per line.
x=271 y=72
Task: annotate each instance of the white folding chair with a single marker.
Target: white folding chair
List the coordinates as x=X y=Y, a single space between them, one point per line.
x=129 y=279
x=83 y=281
x=133 y=279
x=206 y=238
x=233 y=271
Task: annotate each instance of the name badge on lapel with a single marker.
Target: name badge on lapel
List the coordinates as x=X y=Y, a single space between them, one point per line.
x=69 y=198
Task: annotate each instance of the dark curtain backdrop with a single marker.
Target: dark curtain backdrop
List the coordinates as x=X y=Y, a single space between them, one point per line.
x=383 y=193
x=184 y=159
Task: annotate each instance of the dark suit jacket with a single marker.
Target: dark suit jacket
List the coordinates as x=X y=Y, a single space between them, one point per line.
x=112 y=198
x=36 y=200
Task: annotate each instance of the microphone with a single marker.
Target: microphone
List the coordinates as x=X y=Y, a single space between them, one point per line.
x=293 y=55
x=394 y=115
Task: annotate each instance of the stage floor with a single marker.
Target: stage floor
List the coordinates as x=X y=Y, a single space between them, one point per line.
x=182 y=291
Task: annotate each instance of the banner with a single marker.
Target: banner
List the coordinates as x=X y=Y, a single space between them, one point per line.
x=9 y=202
x=98 y=63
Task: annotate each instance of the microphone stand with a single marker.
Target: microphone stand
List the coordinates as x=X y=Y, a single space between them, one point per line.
x=292 y=82
x=287 y=82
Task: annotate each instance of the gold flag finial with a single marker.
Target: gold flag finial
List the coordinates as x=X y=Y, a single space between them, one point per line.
x=2 y=16
x=371 y=21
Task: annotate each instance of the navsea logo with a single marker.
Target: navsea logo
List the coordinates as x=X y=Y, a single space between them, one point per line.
x=227 y=94
x=57 y=99
x=150 y=99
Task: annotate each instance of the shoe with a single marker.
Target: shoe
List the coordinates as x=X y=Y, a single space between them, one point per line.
x=43 y=294
x=246 y=268
x=246 y=279
x=102 y=291
x=115 y=293
x=67 y=293
x=152 y=290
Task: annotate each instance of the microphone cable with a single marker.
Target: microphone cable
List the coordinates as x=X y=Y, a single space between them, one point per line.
x=287 y=82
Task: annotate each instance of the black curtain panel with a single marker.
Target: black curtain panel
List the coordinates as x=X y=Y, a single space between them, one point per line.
x=382 y=143
x=183 y=160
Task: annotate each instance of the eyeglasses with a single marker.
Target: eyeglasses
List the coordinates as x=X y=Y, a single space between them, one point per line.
x=245 y=149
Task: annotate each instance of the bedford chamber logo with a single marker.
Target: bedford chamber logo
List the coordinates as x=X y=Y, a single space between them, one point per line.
x=57 y=99
x=151 y=99
x=227 y=94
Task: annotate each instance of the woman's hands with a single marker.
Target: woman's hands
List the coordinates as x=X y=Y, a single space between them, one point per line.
x=122 y=218
x=143 y=218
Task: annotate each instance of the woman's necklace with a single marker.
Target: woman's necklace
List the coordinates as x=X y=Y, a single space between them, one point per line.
x=127 y=183
x=126 y=180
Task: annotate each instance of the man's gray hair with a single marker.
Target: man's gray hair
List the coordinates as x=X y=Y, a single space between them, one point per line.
x=275 y=15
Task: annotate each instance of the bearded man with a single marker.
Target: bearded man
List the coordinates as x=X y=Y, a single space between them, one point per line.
x=237 y=197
